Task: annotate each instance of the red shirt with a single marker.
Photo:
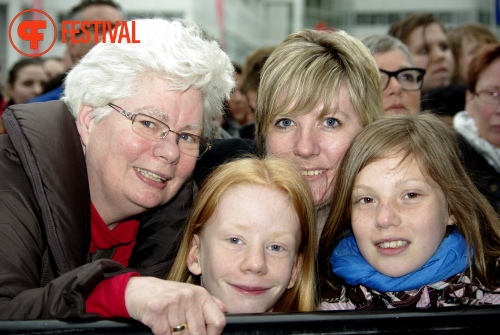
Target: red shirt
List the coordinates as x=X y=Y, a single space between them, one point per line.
x=108 y=297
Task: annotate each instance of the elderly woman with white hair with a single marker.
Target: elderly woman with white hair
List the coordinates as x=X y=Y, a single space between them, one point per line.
x=78 y=173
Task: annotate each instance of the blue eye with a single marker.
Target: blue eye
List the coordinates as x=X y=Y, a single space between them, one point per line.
x=234 y=240
x=331 y=122
x=190 y=138
x=283 y=123
x=275 y=247
x=147 y=124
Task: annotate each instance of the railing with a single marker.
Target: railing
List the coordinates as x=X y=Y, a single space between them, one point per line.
x=471 y=320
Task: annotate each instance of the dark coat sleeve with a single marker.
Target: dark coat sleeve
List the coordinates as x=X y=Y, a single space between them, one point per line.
x=484 y=176
x=30 y=286
x=44 y=251
x=160 y=233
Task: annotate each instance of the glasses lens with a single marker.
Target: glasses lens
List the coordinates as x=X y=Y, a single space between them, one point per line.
x=149 y=127
x=410 y=79
x=155 y=130
x=490 y=97
x=189 y=144
x=384 y=80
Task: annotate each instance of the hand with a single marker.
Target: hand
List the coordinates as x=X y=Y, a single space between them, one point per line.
x=162 y=304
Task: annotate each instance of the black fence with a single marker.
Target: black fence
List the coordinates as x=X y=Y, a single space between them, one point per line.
x=472 y=320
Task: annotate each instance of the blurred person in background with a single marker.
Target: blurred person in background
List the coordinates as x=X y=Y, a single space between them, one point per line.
x=252 y=72
x=465 y=40
x=86 y=10
x=26 y=80
x=478 y=127
x=426 y=39
x=54 y=67
x=238 y=111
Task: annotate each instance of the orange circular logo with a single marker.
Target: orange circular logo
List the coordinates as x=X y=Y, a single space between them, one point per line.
x=32 y=31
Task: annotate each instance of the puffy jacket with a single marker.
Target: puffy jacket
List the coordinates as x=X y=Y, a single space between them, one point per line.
x=45 y=268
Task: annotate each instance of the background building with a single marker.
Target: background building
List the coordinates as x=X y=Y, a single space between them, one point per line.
x=243 y=25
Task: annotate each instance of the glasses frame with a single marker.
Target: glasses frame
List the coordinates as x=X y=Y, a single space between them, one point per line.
x=493 y=93
x=204 y=143
x=396 y=73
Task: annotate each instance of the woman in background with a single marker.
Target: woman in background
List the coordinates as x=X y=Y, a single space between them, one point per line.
x=401 y=80
x=426 y=39
x=26 y=80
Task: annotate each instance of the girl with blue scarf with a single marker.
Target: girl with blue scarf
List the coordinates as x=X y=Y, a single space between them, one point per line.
x=407 y=227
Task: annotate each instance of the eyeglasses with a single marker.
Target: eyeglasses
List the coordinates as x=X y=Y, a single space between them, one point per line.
x=410 y=78
x=154 y=130
x=489 y=97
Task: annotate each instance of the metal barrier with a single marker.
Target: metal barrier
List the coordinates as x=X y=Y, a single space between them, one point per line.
x=471 y=320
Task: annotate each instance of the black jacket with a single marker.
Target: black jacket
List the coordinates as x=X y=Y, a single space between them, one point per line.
x=45 y=269
x=484 y=176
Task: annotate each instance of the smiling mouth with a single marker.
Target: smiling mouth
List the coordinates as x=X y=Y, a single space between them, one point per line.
x=392 y=244
x=151 y=175
x=312 y=172
x=251 y=290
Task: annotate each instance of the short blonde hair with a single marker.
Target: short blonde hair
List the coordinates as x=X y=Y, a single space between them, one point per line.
x=272 y=173
x=309 y=67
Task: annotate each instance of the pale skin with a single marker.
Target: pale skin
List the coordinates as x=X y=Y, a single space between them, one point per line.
x=486 y=116
x=399 y=215
x=29 y=83
x=244 y=260
x=430 y=50
x=238 y=105
x=316 y=143
x=53 y=67
x=396 y=100
x=123 y=170
x=470 y=45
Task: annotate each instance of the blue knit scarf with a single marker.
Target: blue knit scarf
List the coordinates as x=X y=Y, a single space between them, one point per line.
x=449 y=259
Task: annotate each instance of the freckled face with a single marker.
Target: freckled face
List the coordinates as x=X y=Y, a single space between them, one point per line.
x=316 y=143
x=399 y=217
x=247 y=252
x=129 y=174
x=430 y=50
x=395 y=99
